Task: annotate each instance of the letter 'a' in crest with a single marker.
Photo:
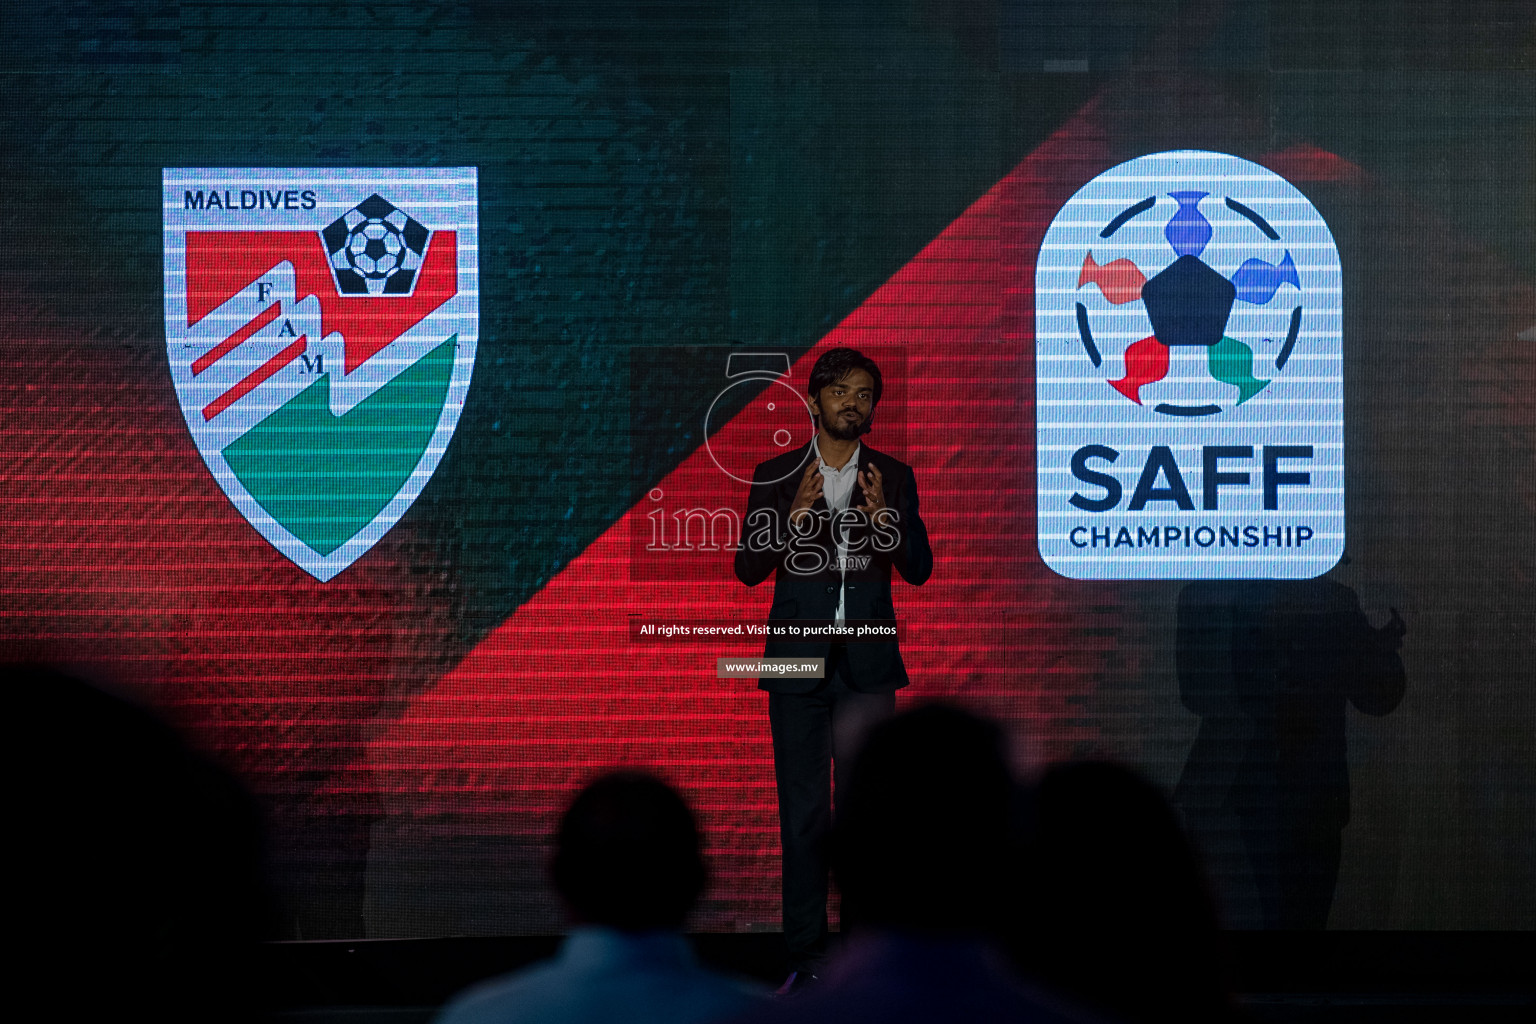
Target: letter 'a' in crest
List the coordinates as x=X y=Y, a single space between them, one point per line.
x=321 y=327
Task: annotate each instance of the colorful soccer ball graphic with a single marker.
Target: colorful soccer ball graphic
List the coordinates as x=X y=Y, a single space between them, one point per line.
x=1197 y=293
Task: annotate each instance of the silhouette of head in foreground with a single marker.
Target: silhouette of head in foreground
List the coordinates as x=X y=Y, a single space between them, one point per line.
x=627 y=855
x=922 y=832
x=1117 y=913
x=627 y=864
x=144 y=886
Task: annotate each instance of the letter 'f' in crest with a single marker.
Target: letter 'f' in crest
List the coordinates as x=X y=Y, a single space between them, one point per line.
x=321 y=328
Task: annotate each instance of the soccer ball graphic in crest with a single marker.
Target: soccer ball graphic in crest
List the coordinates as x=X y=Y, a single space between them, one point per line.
x=321 y=361
x=1189 y=301
x=375 y=248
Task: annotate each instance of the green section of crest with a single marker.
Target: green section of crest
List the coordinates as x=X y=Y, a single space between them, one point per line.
x=325 y=477
x=1231 y=362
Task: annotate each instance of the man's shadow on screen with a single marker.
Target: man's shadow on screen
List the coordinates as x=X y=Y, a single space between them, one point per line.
x=1268 y=666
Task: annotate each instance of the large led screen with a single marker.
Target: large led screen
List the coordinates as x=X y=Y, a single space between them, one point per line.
x=384 y=387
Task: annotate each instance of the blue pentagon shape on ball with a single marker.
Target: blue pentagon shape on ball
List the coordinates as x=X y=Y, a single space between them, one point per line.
x=1188 y=303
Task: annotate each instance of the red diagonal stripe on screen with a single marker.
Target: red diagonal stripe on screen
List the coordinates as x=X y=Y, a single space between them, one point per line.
x=558 y=691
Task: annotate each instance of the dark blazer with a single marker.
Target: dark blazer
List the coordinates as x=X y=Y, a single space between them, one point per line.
x=807 y=583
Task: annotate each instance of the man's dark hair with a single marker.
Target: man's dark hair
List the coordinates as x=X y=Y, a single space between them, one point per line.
x=922 y=832
x=627 y=854
x=836 y=364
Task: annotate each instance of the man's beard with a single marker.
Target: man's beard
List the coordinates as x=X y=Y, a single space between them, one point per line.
x=843 y=430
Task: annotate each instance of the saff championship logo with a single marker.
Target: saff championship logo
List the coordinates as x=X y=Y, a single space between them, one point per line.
x=321 y=329
x=1189 y=376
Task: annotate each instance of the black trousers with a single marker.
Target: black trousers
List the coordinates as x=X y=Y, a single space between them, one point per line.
x=815 y=734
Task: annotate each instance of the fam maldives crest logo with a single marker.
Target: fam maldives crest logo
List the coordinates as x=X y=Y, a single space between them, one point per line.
x=321 y=328
x=1188 y=322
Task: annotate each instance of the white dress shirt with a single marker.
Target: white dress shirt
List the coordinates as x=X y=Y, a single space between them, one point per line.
x=837 y=487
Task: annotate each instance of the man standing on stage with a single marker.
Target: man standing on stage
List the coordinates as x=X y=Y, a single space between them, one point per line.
x=832 y=531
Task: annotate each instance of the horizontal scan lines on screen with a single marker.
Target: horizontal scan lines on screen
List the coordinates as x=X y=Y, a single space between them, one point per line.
x=947 y=404
x=1071 y=287
x=1157 y=517
x=1242 y=318
x=1270 y=555
x=226 y=223
x=256 y=619
x=467 y=273
x=1189 y=156
x=221 y=322
x=585 y=700
x=178 y=522
x=1175 y=447
x=429 y=746
x=1149 y=241
x=73 y=477
x=319 y=177
x=1256 y=401
x=577 y=718
x=558 y=793
x=1149 y=238
x=593 y=762
x=1126 y=308
x=1155 y=433
x=1072 y=339
x=574 y=708
x=1142 y=327
x=1159 y=245
x=1143 y=225
x=248 y=632
x=1233 y=463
